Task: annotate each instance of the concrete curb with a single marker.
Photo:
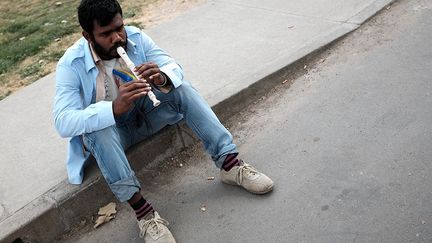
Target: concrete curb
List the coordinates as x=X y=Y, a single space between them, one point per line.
x=65 y=205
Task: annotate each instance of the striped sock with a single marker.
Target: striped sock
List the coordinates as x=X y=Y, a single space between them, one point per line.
x=142 y=208
x=230 y=161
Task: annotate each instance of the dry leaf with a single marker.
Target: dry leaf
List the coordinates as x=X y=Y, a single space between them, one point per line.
x=108 y=210
x=106 y=214
x=102 y=220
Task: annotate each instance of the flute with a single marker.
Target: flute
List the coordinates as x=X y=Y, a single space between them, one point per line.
x=131 y=67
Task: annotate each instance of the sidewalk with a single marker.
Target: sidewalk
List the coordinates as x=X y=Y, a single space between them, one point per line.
x=225 y=48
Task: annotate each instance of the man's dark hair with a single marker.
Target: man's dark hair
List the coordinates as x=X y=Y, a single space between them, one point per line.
x=103 y=11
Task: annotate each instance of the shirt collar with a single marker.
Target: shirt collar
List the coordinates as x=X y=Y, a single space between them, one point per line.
x=95 y=56
x=88 y=57
x=131 y=43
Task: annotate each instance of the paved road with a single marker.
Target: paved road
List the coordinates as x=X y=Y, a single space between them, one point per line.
x=348 y=145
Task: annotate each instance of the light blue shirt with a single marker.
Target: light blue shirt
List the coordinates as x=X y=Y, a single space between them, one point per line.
x=75 y=110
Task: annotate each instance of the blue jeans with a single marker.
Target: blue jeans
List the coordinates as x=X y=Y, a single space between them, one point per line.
x=184 y=102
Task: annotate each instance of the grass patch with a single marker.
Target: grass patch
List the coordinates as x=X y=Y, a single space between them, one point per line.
x=29 y=26
x=129 y=14
x=30 y=70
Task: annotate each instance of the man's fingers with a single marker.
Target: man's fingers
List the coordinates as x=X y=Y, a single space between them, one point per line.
x=150 y=72
x=138 y=84
x=147 y=69
x=155 y=76
x=136 y=94
x=145 y=66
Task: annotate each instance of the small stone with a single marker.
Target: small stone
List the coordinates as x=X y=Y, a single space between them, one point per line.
x=22 y=38
x=64 y=21
x=203 y=208
x=58 y=4
x=291 y=26
x=305 y=66
x=423 y=222
x=181 y=165
x=286 y=80
x=210 y=178
x=417 y=235
x=57 y=39
x=410 y=174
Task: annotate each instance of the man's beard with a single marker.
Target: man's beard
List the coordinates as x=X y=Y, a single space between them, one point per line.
x=105 y=54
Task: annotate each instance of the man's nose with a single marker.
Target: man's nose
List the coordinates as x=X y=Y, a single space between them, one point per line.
x=116 y=37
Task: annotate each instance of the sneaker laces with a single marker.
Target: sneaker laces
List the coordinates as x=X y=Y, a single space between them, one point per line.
x=245 y=170
x=153 y=226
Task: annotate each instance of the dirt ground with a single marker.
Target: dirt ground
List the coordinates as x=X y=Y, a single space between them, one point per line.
x=163 y=10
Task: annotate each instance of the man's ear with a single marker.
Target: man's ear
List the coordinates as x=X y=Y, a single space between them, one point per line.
x=86 y=35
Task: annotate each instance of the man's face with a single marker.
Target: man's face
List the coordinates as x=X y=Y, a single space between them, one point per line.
x=106 y=39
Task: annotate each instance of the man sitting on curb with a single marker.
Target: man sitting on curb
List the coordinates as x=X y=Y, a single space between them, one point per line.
x=104 y=115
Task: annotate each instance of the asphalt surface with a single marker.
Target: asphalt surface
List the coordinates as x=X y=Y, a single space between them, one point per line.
x=232 y=51
x=347 y=144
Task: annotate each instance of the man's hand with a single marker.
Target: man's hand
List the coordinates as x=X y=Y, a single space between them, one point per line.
x=128 y=93
x=150 y=71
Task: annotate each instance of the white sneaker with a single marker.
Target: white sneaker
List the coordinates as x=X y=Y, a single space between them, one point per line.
x=248 y=177
x=155 y=230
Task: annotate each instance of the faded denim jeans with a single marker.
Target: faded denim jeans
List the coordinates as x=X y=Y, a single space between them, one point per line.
x=184 y=102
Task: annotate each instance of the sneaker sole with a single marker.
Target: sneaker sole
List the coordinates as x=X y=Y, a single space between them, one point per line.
x=262 y=192
x=258 y=193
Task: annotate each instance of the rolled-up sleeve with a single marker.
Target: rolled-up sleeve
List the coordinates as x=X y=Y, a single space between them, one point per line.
x=71 y=118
